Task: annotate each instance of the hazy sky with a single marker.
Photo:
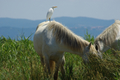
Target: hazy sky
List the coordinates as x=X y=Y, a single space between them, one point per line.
x=37 y=9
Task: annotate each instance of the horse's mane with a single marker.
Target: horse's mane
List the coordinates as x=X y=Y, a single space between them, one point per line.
x=64 y=35
x=108 y=36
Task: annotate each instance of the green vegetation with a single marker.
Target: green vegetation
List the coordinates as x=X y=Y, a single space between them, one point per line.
x=19 y=61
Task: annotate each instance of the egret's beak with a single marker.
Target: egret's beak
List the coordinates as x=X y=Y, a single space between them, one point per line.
x=54 y=6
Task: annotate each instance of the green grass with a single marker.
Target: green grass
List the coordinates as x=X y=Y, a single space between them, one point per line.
x=19 y=61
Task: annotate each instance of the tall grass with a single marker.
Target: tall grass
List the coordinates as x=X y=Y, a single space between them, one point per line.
x=19 y=61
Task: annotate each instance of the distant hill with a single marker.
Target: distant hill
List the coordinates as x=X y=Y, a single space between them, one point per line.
x=19 y=23
x=16 y=27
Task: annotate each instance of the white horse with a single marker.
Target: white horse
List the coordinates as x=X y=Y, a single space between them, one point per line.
x=109 y=38
x=52 y=39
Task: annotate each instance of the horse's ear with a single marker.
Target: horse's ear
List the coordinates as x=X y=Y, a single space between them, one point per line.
x=100 y=38
x=89 y=45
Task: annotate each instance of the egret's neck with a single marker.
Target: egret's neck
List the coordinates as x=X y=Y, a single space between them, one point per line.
x=52 y=8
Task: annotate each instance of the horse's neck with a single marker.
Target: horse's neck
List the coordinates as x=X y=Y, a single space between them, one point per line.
x=73 y=52
x=79 y=52
x=118 y=35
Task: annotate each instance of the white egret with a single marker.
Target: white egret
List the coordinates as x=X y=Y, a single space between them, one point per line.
x=50 y=12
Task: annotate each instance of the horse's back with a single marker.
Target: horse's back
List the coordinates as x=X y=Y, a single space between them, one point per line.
x=118 y=24
x=117 y=41
x=44 y=42
x=38 y=36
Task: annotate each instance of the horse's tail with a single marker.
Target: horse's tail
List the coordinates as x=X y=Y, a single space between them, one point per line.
x=52 y=66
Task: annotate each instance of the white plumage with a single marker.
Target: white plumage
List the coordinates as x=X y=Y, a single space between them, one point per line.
x=50 y=12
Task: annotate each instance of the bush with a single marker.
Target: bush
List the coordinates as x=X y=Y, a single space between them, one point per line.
x=18 y=60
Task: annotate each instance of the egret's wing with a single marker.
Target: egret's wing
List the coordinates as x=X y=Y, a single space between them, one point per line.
x=49 y=14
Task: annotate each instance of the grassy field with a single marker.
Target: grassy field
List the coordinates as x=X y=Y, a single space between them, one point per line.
x=19 y=61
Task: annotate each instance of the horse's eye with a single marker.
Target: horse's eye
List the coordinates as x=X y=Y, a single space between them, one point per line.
x=96 y=47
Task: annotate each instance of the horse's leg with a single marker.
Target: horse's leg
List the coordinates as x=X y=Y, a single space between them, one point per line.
x=46 y=59
x=43 y=63
x=47 y=65
x=59 y=63
x=56 y=70
x=115 y=48
x=42 y=60
x=62 y=67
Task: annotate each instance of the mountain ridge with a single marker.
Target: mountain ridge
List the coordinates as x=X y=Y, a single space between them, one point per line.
x=10 y=26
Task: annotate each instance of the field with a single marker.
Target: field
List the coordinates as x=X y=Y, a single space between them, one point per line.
x=19 y=61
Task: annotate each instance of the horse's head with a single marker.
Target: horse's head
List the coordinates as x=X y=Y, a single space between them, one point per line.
x=99 y=46
x=90 y=50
